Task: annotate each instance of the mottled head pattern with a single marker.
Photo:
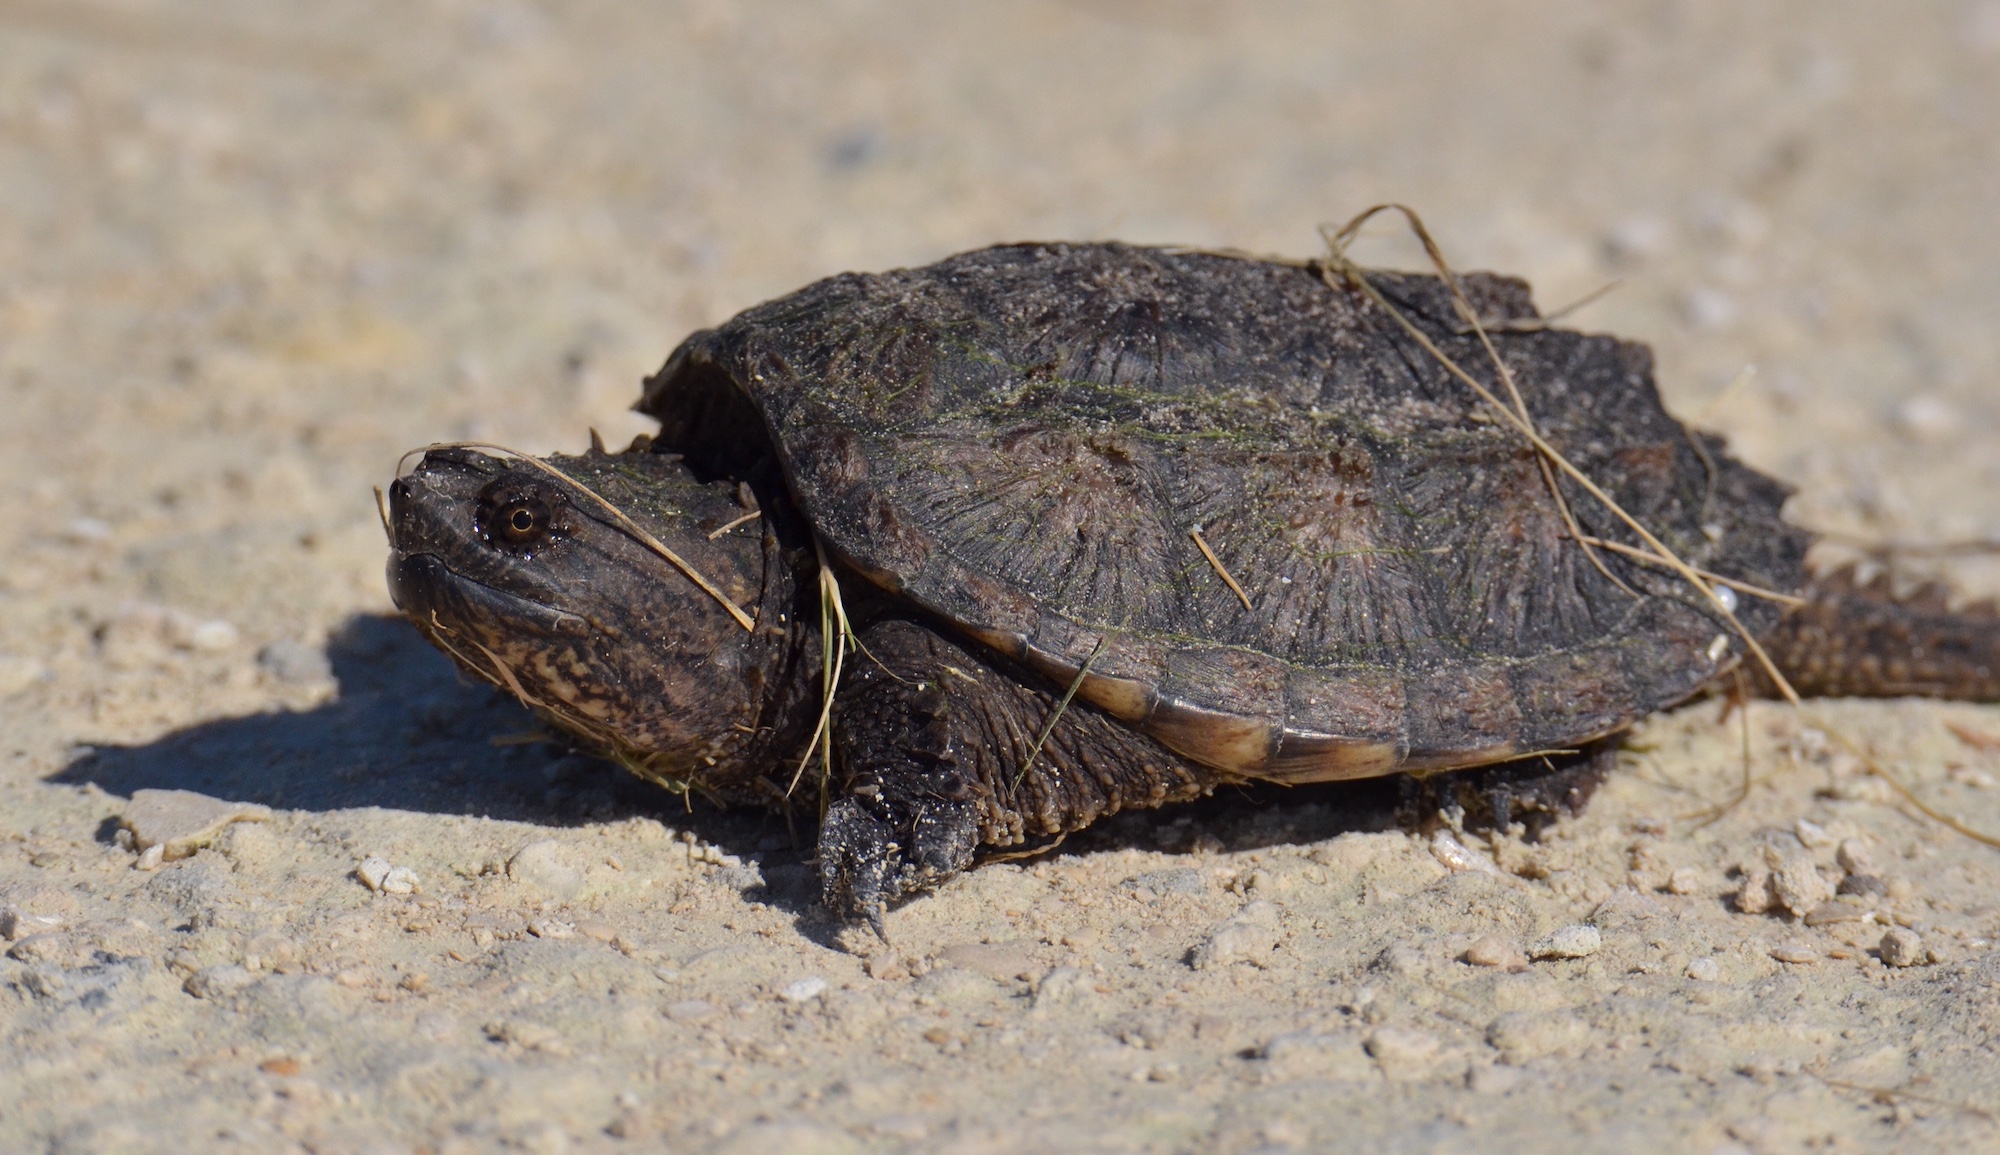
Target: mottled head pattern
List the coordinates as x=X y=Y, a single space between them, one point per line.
x=530 y=584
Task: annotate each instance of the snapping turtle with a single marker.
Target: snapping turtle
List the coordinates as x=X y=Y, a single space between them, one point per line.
x=1112 y=526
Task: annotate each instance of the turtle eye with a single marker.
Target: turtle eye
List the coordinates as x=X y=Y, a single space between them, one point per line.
x=523 y=524
x=518 y=517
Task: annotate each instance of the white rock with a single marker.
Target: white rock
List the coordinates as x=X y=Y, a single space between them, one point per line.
x=1249 y=937
x=1901 y=947
x=400 y=880
x=180 y=822
x=373 y=872
x=211 y=636
x=1929 y=417
x=548 y=866
x=1457 y=856
x=1578 y=940
x=803 y=990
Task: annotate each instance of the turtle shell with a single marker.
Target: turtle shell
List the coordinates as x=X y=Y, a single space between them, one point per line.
x=1035 y=441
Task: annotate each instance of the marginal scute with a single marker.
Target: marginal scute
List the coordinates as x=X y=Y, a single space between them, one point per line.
x=1224 y=740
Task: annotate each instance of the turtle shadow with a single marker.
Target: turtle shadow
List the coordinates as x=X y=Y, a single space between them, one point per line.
x=406 y=732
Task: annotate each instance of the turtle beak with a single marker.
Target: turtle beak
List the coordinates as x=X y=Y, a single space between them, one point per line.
x=436 y=561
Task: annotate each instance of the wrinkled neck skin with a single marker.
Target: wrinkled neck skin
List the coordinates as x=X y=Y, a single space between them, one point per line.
x=528 y=583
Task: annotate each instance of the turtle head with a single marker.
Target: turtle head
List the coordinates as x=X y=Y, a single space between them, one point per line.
x=552 y=579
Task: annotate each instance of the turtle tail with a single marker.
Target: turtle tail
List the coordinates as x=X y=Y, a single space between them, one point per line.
x=1855 y=639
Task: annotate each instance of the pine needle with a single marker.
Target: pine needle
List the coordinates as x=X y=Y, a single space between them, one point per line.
x=1202 y=544
x=753 y=515
x=1742 y=587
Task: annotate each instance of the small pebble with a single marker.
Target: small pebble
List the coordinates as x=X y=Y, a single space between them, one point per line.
x=180 y=822
x=886 y=966
x=211 y=636
x=1812 y=833
x=1828 y=913
x=1797 y=953
x=151 y=858
x=1684 y=880
x=550 y=928
x=1578 y=940
x=1901 y=947
x=803 y=990
x=1251 y=936
x=1705 y=970
x=1456 y=856
x=1863 y=886
x=1798 y=885
x=17 y=924
x=373 y=872
x=1853 y=857
x=1754 y=896
x=1493 y=950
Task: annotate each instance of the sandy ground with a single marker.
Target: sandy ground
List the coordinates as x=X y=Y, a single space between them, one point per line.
x=251 y=252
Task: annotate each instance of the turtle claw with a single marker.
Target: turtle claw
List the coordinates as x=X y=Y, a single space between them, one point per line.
x=857 y=859
x=867 y=861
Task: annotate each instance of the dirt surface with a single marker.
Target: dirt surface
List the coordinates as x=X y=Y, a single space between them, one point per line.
x=252 y=252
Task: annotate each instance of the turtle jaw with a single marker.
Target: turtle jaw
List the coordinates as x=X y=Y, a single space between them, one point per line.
x=429 y=591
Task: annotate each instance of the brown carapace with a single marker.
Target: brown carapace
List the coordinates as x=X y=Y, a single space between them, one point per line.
x=1229 y=504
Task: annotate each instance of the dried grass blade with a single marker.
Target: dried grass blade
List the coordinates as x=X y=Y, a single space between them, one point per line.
x=1049 y=726
x=833 y=633
x=1742 y=587
x=1357 y=277
x=1338 y=243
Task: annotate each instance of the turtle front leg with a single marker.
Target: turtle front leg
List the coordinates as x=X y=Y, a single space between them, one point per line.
x=907 y=818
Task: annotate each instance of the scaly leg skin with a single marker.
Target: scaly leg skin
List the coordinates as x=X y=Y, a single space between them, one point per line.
x=933 y=741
